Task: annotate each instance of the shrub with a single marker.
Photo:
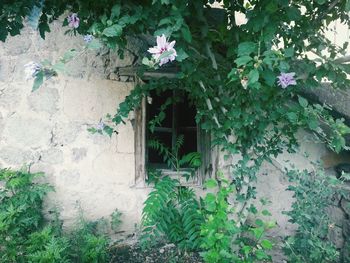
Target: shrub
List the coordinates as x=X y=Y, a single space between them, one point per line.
x=26 y=237
x=20 y=212
x=313 y=193
x=171 y=211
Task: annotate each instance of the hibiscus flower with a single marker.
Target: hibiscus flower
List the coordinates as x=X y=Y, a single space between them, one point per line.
x=163 y=46
x=286 y=79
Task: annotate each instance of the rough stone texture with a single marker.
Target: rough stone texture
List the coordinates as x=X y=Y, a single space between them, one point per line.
x=16 y=156
x=78 y=154
x=336 y=215
x=345 y=204
x=24 y=131
x=46 y=130
x=338 y=98
x=335 y=235
x=52 y=156
x=44 y=100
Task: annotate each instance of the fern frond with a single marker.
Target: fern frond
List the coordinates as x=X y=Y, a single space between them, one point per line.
x=162 y=150
x=179 y=142
x=193 y=159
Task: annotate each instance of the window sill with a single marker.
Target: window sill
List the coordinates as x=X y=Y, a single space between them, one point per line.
x=194 y=182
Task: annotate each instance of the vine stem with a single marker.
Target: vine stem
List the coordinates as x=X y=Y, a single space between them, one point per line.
x=241 y=212
x=239 y=206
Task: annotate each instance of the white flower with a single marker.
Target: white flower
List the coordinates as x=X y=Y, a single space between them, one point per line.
x=163 y=46
x=88 y=38
x=31 y=69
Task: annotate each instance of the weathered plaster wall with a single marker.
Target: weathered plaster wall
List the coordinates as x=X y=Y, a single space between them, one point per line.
x=47 y=129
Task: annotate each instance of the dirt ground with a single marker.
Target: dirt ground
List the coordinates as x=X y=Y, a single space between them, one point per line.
x=159 y=254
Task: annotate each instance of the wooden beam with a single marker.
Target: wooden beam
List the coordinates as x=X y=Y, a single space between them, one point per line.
x=161 y=73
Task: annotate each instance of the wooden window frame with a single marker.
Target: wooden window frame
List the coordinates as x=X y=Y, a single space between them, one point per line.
x=203 y=146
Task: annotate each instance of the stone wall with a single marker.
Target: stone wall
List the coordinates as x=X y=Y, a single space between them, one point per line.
x=46 y=130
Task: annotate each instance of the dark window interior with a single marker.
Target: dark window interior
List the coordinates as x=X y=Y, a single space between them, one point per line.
x=179 y=120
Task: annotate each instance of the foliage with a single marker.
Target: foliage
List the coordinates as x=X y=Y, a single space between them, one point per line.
x=47 y=245
x=190 y=160
x=26 y=237
x=116 y=219
x=313 y=193
x=218 y=227
x=253 y=244
x=171 y=211
x=87 y=244
x=21 y=203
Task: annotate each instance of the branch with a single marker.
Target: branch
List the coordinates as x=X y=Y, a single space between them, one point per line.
x=341 y=60
x=331 y=6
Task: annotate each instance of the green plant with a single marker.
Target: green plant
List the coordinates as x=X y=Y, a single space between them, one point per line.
x=47 y=246
x=172 y=158
x=218 y=227
x=252 y=243
x=25 y=236
x=116 y=219
x=21 y=215
x=313 y=193
x=87 y=244
x=171 y=211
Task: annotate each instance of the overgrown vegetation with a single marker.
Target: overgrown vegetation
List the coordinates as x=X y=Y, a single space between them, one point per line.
x=314 y=193
x=25 y=236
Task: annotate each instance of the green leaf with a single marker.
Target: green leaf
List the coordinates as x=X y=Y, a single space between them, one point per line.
x=266 y=244
x=38 y=81
x=313 y=124
x=289 y=52
x=253 y=76
x=284 y=66
x=232 y=75
x=292 y=117
x=210 y=203
x=211 y=183
x=181 y=55
x=246 y=48
x=266 y=212
x=113 y=31
x=108 y=130
x=302 y=101
x=269 y=77
x=347 y=6
x=165 y=54
x=115 y=12
x=338 y=143
x=59 y=66
x=243 y=60
x=145 y=61
x=186 y=33
x=94 y=44
x=294 y=13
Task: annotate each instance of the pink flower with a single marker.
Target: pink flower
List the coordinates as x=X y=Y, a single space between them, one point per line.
x=161 y=47
x=286 y=79
x=73 y=20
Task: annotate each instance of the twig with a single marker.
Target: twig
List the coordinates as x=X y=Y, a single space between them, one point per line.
x=331 y=6
x=341 y=60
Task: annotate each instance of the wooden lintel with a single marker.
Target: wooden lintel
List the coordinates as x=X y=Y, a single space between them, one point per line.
x=131 y=71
